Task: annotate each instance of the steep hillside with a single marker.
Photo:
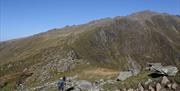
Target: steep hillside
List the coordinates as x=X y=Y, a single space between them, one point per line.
x=111 y=44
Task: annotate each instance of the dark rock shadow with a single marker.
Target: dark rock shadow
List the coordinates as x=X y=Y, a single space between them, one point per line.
x=155 y=75
x=70 y=89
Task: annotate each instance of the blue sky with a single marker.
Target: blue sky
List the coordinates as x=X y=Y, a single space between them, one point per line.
x=20 y=18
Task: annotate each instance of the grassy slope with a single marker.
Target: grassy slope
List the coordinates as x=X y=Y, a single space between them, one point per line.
x=106 y=44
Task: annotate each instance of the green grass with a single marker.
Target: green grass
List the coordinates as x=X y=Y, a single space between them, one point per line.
x=83 y=72
x=8 y=87
x=177 y=78
x=87 y=41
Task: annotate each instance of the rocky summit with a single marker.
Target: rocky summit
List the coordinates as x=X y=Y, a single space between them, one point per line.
x=110 y=54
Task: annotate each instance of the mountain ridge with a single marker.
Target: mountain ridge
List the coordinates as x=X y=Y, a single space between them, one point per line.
x=119 y=43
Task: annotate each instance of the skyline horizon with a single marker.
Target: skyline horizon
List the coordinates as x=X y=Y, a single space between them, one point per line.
x=85 y=23
x=51 y=29
x=18 y=19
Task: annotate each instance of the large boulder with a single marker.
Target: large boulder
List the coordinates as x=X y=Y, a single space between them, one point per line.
x=157 y=68
x=170 y=70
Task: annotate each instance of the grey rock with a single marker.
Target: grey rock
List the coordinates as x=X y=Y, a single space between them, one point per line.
x=169 y=85
x=117 y=90
x=174 y=86
x=84 y=85
x=148 y=81
x=158 y=87
x=151 y=88
x=165 y=80
x=10 y=65
x=130 y=89
x=170 y=70
x=140 y=87
x=101 y=80
x=72 y=55
x=134 y=67
x=110 y=81
x=124 y=89
x=124 y=75
x=164 y=70
x=164 y=89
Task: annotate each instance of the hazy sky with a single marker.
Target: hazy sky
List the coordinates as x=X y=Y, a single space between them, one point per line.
x=19 y=18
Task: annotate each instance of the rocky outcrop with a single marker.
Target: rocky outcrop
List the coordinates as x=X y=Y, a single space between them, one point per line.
x=157 y=68
x=124 y=75
x=158 y=86
x=83 y=85
x=72 y=84
x=151 y=88
x=165 y=85
x=140 y=87
x=165 y=80
x=72 y=55
x=122 y=43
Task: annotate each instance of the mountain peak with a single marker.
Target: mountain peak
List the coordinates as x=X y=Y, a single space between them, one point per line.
x=145 y=12
x=108 y=45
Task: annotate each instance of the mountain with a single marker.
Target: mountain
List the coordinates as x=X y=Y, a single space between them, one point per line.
x=98 y=49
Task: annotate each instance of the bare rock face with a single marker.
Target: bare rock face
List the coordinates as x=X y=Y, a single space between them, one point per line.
x=151 y=88
x=127 y=41
x=164 y=80
x=170 y=70
x=130 y=89
x=72 y=55
x=124 y=89
x=133 y=66
x=134 y=69
x=148 y=81
x=124 y=75
x=52 y=67
x=158 y=87
x=140 y=87
x=174 y=86
x=164 y=89
x=84 y=85
x=169 y=86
